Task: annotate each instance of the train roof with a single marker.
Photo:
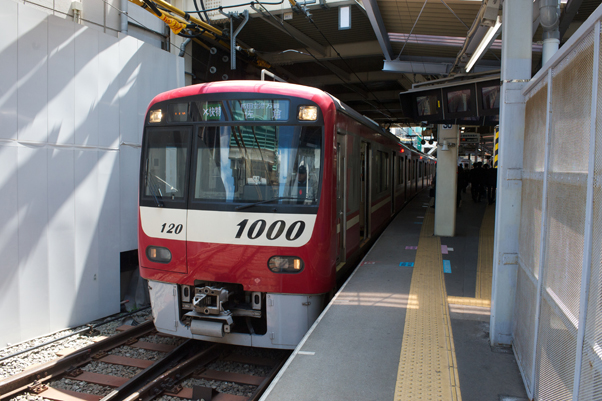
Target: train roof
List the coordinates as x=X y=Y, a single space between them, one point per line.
x=277 y=88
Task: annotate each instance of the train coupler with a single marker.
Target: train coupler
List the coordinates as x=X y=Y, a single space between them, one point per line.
x=213 y=326
x=208 y=300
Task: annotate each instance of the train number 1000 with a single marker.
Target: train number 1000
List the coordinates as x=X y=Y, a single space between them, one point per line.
x=274 y=231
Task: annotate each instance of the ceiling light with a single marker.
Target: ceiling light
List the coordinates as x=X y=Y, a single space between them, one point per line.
x=344 y=17
x=491 y=34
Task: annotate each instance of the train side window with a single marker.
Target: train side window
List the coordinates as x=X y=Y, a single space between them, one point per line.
x=386 y=168
x=354 y=166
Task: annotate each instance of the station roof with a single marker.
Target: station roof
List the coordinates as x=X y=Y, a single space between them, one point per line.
x=391 y=44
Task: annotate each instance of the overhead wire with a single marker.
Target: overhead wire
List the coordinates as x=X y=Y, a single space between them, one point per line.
x=179 y=22
x=412 y=30
x=343 y=80
x=455 y=15
x=347 y=65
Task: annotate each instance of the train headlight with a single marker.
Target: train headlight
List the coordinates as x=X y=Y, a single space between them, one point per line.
x=308 y=113
x=155 y=116
x=285 y=264
x=158 y=254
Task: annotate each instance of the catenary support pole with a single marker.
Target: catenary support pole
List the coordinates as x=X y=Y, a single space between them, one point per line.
x=516 y=72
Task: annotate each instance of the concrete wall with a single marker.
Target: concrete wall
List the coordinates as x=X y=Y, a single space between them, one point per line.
x=72 y=101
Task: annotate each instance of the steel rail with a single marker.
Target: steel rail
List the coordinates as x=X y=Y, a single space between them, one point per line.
x=264 y=385
x=88 y=327
x=169 y=379
x=41 y=373
x=159 y=367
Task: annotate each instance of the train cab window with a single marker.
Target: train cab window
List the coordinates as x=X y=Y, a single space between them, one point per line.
x=165 y=164
x=255 y=163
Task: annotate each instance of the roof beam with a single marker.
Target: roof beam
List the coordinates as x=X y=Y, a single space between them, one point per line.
x=416 y=67
x=378 y=26
x=382 y=96
x=570 y=10
x=346 y=50
x=353 y=79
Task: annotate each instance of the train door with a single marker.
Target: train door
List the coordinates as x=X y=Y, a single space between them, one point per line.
x=341 y=195
x=393 y=175
x=365 y=191
x=405 y=179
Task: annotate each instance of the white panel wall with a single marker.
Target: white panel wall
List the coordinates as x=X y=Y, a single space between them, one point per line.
x=32 y=57
x=61 y=86
x=8 y=66
x=72 y=101
x=9 y=241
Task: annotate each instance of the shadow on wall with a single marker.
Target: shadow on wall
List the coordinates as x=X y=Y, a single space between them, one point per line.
x=69 y=99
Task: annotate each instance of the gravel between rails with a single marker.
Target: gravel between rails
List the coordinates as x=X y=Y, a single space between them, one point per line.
x=82 y=387
x=159 y=339
x=236 y=367
x=223 y=387
x=110 y=369
x=137 y=353
x=47 y=353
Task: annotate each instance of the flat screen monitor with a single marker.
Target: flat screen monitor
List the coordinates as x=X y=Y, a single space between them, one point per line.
x=459 y=101
x=490 y=97
x=427 y=105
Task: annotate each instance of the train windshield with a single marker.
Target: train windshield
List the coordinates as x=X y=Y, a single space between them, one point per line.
x=165 y=165
x=258 y=163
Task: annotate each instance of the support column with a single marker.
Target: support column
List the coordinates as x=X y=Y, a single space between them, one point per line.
x=516 y=72
x=447 y=178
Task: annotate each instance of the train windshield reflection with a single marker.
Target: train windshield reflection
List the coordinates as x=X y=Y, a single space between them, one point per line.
x=254 y=163
x=165 y=164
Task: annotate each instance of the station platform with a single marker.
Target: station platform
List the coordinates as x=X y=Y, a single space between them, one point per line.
x=412 y=322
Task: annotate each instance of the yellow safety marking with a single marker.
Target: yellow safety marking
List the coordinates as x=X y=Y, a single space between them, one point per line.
x=427 y=362
x=485 y=256
x=485 y=303
x=496 y=146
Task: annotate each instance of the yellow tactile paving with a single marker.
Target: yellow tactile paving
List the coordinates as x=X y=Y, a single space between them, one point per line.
x=427 y=363
x=486 y=303
x=485 y=258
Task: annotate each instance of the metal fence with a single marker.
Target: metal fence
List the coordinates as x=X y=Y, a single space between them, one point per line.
x=558 y=318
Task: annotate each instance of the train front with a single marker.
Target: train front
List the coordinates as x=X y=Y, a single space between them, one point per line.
x=234 y=226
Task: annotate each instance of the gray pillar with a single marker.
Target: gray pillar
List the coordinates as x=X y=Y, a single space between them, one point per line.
x=447 y=178
x=516 y=72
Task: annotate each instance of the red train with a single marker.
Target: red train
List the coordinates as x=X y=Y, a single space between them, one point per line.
x=254 y=196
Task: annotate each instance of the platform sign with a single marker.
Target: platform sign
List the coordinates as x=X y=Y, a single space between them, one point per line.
x=470 y=137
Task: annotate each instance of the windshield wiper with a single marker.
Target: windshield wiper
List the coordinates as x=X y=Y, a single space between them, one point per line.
x=263 y=201
x=166 y=183
x=152 y=185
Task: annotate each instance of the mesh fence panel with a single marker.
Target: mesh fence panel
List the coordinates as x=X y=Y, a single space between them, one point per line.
x=556 y=357
x=591 y=367
x=535 y=129
x=564 y=244
x=571 y=108
x=524 y=326
x=566 y=197
x=567 y=187
x=530 y=226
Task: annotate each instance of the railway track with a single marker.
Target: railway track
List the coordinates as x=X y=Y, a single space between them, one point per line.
x=190 y=370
